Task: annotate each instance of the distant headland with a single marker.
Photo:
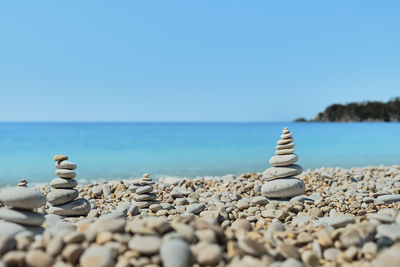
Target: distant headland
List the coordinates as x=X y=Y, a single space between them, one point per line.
x=369 y=111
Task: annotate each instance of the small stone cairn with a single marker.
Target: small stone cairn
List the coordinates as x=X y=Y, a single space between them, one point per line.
x=280 y=181
x=20 y=203
x=23 y=183
x=144 y=195
x=62 y=198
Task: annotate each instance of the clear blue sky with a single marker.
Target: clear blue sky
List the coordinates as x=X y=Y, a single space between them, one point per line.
x=194 y=60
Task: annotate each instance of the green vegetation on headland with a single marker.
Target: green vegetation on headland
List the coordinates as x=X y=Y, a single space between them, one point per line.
x=360 y=112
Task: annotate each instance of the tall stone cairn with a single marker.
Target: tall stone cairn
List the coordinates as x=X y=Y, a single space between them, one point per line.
x=144 y=195
x=62 y=198
x=280 y=179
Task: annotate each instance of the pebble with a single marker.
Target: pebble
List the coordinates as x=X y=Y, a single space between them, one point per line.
x=283 y=188
x=195 y=208
x=384 y=218
x=99 y=256
x=388 y=258
x=175 y=253
x=22 y=198
x=390 y=230
x=38 y=258
x=339 y=221
x=10 y=229
x=388 y=199
x=106 y=188
x=209 y=254
x=331 y=253
x=146 y=245
x=144 y=189
x=260 y=200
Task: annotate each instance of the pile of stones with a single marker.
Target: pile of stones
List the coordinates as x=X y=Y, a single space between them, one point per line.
x=62 y=198
x=18 y=213
x=280 y=181
x=23 y=183
x=144 y=195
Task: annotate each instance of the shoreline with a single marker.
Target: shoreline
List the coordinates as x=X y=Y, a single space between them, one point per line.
x=346 y=217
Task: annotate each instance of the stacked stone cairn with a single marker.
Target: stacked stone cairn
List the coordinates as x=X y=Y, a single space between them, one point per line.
x=62 y=198
x=280 y=181
x=18 y=213
x=23 y=183
x=144 y=195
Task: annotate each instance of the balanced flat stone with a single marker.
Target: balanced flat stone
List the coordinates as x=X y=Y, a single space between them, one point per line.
x=285 y=141
x=63 y=183
x=63 y=173
x=283 y=188
x=279 y=147
x=145 y=197
x=283 y=160
x=61 y=196
x=285 y=131
x=21 y=216
x=286 y=136
x=144 y=189
x=284 y=152
x=22 y=198
x=65 y=164
x=60 y=157
x=280 y=172
x=78 y=207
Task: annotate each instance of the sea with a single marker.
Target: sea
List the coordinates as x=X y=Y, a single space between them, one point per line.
x=109 y=151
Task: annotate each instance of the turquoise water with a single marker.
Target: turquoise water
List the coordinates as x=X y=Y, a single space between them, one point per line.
x=124 y=150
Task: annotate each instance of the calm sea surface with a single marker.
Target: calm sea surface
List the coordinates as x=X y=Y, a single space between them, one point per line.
x=123 y=150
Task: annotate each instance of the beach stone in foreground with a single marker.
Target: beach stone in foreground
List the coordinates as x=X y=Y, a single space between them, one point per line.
x=21 y=216
x=22 y=198
x=175 y=253
x=61 y=196
x=147 y=245
x=10 y=229
x=63 y=183
x=283 y=188
x=283 y=160
x=78 y=207
x=98 y=256
x=284 y=171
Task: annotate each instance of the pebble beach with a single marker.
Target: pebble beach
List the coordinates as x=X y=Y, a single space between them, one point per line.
x=281 y=217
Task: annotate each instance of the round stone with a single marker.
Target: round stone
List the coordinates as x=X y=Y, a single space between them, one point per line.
x=60 y=157
x=146 y=245
x=285 y=131
x=22 y=198
x=175 y=253
x=36 y=258
x=285 y=146
x=283 y=188
x=63 y=183
x=281 y=172
x=63 y=173
x=284 y=151
x=286 y=136
x=61 y=196
x=285 y=141
x=78 y=207
x=21 y=216
x=97 y=256
x=65 y=164
x=283 y=160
